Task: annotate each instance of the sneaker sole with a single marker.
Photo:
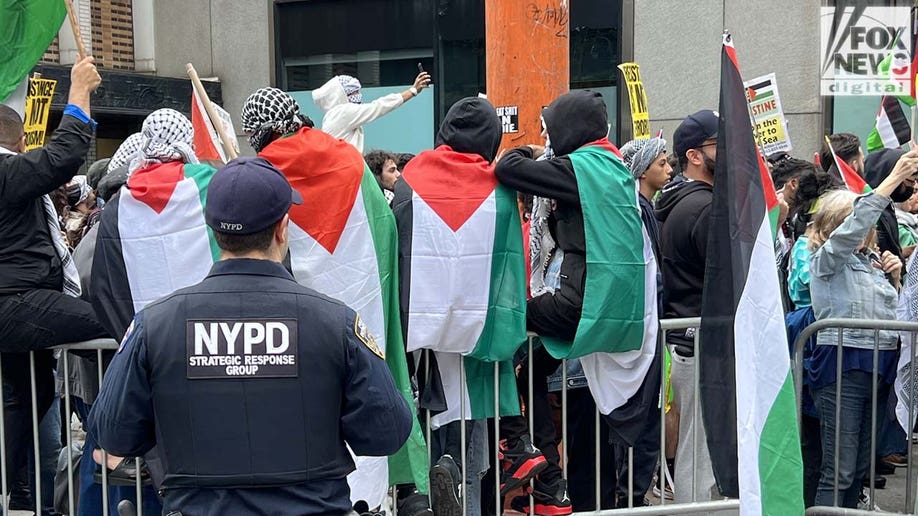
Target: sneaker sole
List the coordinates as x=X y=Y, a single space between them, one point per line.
x=443 y=499
x=527 y=472
x=549 y=510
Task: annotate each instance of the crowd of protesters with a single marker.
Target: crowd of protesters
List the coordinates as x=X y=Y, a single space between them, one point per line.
x=839 y=254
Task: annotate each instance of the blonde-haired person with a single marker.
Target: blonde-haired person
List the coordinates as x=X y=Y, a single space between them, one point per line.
x=849 y=279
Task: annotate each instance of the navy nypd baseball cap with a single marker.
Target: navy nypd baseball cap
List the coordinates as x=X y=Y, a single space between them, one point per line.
x=694 y=130
x=248 y=195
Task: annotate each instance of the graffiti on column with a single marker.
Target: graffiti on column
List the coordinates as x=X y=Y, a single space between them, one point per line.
x=553 y=18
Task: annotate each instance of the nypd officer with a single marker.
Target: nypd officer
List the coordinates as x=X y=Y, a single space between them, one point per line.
x=247 y=383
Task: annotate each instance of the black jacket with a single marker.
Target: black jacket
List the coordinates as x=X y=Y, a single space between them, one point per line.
x=684 y=212
x=27 y=257
x=572 y=120
x=270 y=410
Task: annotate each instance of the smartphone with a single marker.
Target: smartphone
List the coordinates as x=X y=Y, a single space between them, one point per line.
x=420 y=68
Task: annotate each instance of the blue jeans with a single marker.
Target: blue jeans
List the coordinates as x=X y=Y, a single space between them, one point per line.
x=854 y=439
x=90 y=503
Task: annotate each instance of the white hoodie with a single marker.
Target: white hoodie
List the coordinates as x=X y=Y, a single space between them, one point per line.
x=344 y=119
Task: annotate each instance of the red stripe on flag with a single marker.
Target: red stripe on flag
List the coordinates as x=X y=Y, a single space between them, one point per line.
x=453 y=184
x=204 y=146
x=327 y=173
x=154 y=185
x=852 y=179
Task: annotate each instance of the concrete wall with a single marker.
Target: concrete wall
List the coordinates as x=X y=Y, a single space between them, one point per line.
x=678 y=48
x=227 y=39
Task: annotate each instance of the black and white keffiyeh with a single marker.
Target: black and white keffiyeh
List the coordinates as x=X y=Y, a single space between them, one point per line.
x=167 y=135
x=126 y=152
x=352 y=88
x=541 y=244
x=268 y=113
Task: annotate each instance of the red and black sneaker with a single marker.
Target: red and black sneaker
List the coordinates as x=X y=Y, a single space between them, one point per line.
x=548 y=500
x=519 y=464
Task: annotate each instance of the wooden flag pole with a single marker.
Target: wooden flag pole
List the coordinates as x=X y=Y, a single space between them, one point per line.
x=75 y=25
x=211 y=112
x=914 y=121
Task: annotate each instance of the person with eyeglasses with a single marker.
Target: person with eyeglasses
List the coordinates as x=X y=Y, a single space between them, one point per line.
x=683 y=210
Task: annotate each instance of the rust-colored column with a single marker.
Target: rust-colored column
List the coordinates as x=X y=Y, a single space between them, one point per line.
x=528 y=62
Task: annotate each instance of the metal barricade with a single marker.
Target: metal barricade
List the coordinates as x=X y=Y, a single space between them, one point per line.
x=859 y=324
x=695 y=506
x=97 y=345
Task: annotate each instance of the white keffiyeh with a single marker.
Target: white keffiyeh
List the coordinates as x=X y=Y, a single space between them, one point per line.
x=126 y=152
x=541 y=243
x=167 y=136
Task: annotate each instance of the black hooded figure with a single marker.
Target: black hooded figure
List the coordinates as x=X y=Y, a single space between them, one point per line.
x=877 y=167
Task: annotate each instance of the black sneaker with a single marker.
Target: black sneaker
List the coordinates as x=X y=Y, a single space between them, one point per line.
x=548 y=500
x=414 y=504
x=445 y=487
x=519 y=463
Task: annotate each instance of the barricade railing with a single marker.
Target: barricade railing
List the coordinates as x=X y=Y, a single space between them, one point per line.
x=664 y=507
x=63 y=371
x=876 y=326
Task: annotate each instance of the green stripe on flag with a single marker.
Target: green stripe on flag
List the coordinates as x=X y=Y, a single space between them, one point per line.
x=201 y=175
x=763 y=95
x=613 y=303
x=780 y=465
x=409 y=465
x=27 y=28
x=479 y=378
x=505 y=326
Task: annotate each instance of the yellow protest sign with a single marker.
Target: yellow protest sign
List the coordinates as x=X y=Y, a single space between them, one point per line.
x=640 y=116
x=37 y=109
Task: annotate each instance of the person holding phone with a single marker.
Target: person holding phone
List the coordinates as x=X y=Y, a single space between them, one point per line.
x=346 y=113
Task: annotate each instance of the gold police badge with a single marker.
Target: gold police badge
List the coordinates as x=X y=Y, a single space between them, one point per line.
x=363 y=333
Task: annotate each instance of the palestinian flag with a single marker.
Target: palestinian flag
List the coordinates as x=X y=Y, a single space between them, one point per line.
x=27 y=28
x=616 y=339
x=892 y=129
x=343 y=243
x=616 y=301
x=851 y=178
x=463 y=282
x=747 y=390
x=207 y=144
x=152 y=241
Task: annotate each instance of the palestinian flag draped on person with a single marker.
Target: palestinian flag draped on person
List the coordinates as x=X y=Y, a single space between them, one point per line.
x=152 y=241
x=463 y=284
x=343 y=244
x=851 y=178
x=620 y=319
x=747 y=391
x=27 y=28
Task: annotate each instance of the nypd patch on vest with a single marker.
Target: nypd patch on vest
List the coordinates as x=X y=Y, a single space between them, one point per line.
x=363 y=333
x=241 y=348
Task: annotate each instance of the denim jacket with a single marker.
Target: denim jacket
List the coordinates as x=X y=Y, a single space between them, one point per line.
x=845 y=284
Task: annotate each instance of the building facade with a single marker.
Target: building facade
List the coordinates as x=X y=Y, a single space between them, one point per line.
x=143 y=46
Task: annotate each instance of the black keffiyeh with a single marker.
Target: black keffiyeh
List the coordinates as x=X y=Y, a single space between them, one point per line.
x=269 y=113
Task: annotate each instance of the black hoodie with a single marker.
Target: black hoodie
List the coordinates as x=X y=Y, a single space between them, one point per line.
x=471 y=126
x=684 y=211
x=573 y=120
